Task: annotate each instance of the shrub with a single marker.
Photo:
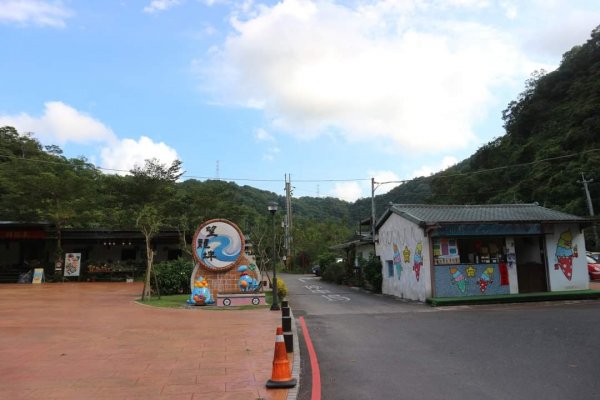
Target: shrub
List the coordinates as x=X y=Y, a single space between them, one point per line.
x=372 y=273
x=335 y=272
x=282 y=290
x=173 y=276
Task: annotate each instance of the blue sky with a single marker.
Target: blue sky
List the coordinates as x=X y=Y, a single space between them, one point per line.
x=331 y=92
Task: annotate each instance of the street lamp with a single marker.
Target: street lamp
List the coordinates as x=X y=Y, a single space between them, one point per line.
x=275 y=304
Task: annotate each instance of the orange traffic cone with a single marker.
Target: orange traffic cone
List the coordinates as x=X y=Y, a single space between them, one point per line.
x=282 y=376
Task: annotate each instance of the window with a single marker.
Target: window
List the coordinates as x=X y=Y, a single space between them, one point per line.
x=390 y=265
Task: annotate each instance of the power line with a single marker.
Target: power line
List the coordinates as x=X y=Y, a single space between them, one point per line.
x=326 y=180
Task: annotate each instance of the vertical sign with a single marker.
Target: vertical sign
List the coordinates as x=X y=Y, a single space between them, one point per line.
x=72 y=264
x=38 y=276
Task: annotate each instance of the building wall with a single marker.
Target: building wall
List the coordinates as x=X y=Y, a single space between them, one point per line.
x=403 y=246
x=567 y=264
x=471 y=280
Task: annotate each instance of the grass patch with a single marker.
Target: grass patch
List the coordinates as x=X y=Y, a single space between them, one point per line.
x=179 y=301
x=171 y=301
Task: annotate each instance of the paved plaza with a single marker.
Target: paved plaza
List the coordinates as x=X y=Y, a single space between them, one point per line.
x=93 y=341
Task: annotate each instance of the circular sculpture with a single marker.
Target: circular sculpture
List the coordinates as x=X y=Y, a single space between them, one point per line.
x=226 y=301
x=218 y=244
x=255 y=301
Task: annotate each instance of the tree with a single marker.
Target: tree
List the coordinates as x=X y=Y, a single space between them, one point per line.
x=149 y=221
x=151 y=189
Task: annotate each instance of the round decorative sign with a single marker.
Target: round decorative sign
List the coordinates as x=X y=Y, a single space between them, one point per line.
x=218 y=244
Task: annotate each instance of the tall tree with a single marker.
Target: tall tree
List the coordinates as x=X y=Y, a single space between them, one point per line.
x=152 y=189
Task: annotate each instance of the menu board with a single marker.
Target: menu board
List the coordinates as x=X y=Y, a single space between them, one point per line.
x=445 y=251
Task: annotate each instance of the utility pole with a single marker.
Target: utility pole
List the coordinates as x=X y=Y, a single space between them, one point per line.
x=373 y=209
x=589 y=203
x=288 y=219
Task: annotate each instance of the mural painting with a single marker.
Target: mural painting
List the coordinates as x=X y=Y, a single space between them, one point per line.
x=486 y=279
x=458 y=279
x=565 y=251
x=418 y=260
x=470 y=280
x=397 y=260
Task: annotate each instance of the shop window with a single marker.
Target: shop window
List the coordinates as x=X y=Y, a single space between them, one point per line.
x=390 y=266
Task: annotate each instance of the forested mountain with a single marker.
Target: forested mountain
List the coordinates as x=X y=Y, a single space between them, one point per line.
x=552 y=138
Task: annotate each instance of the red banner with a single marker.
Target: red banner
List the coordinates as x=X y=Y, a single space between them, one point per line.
x=22 y=235
x=503 y=274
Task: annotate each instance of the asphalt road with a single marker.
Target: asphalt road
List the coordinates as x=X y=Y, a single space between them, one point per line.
x=377 y=347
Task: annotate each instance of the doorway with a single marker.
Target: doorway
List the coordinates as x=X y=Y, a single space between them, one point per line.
x=531 y=264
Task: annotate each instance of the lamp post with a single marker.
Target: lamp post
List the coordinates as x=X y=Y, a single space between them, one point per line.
x=275 y=305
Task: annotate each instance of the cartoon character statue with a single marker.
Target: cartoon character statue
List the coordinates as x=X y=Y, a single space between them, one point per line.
x=246 y=282
x=458 y=279
x=486 y=279
x=565 y=254
x=418 y=260
x=201 y=293
x=397 y=260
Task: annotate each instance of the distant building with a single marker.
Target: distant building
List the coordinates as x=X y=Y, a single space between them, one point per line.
x=479 y=250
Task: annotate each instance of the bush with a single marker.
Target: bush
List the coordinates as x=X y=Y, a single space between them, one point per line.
x=335 y=272
x=173 y=276
x=372 y=273
x=282 y=290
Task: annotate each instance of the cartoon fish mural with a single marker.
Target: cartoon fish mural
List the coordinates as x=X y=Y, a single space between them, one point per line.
x=485 y=279
x=458 y=279
x=418 y=260
x=565 y=254
x=397 y=260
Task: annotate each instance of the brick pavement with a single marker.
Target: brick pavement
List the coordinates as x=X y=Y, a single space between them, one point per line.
x=92 y=341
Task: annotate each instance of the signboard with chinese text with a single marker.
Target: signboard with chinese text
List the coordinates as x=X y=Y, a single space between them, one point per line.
x=218 y=244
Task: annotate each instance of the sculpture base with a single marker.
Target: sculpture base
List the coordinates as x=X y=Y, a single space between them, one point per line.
x=240 y=299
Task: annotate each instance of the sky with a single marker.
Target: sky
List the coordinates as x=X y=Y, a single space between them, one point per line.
x=333 y=93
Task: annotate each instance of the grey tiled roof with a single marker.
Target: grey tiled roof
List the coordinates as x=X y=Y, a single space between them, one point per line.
x=426 y=213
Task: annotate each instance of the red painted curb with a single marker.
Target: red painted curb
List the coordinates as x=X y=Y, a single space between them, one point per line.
x=314 y=363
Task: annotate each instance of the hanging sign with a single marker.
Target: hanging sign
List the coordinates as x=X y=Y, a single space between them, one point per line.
x=218 y=244
x=72 y=264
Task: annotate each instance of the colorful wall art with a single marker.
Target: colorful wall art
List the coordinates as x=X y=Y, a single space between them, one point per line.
x=471 y=280
x=567 y=265
x=404 y=253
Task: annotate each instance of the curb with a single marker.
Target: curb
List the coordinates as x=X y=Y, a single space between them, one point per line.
x=293 y=392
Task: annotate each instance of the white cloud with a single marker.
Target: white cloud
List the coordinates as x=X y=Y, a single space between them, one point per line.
x=160 y=5
x=386 y=71
x=427 y=170
x=384 y=176
x=60 y=124
x=262 y=135
x=349 y=191
x=271 y=153
x=37 y=12
x=124 y=154
x=63 y=124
